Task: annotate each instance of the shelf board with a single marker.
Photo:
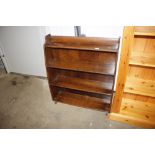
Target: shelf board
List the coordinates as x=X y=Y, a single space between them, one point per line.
x=83 y=101
x=139 y=109
x=149 y=34
x=141 y=64
x=142 y=59
x=83 y=84
x=132 y=120
x=140 y=87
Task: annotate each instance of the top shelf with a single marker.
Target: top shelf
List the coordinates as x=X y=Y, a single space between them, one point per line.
x=147 y=34
x=145 y=31
x=83 y=43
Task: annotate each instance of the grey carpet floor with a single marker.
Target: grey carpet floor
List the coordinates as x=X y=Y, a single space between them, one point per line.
x=25 y=102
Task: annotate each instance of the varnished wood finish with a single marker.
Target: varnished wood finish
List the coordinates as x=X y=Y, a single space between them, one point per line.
x=87 y=61
x=142 y=59
x=145 y=31
x=142 y=110
x=138 y=99
x=82 y=84
x=140 y=87
x=82 y=43
x=83 y=101
x=123 y=67
x=144 y=34
x=132 y=120
x=53 y=73
x=81 y=70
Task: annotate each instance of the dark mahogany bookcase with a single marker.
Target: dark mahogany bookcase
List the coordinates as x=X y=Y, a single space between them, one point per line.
x=81 y=70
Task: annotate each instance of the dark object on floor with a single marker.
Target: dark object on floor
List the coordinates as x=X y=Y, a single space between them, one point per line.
x=14 y=83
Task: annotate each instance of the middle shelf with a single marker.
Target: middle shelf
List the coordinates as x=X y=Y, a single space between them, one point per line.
x=142 y=59
x=83 y=84
x=81 y=81
x=140 y=86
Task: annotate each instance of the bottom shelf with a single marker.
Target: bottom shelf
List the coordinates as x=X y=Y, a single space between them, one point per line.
x=138 y=109
x=131 y=120
x=83 y=101
x=136 y=112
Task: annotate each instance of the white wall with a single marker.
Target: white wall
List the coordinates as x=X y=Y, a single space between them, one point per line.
x=102 y=31
x=61 y=30
x=23 y=49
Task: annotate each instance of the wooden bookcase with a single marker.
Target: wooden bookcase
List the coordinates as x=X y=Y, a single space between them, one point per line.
x=81 y=70
x=136 y=104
